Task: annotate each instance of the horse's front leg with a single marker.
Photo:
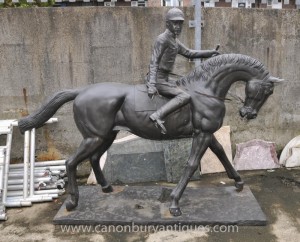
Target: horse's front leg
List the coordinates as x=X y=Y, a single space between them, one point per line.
x=217 y=148
x=199 y=146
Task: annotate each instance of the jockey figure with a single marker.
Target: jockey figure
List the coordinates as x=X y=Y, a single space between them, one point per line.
x=165 y=49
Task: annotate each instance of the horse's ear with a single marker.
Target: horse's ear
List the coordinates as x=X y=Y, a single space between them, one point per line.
x=276 y=80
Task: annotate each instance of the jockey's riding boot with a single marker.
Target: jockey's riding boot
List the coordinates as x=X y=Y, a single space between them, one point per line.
x=157 y=120
x=174 y=104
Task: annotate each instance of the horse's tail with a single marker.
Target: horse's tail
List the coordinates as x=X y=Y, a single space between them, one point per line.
x=47 y=110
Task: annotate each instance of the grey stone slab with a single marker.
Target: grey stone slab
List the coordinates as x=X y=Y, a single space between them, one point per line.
x=176 y=154
x=136 y=152
x=256 y=155
x=135 y=145
x=136 y=167
x=140 y=205
x=172 y=163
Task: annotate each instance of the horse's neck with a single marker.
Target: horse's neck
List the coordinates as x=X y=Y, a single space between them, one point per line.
x=221 y=81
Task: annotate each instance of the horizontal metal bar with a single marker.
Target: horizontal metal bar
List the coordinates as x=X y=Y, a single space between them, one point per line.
x=14 y=122
x=20 y=174
x=61 y=167
x=50 y=163
x=21 y=181
x=37 y=187
x=35 y=198
x=41 y=192
x=50 y=191
x=18 y=204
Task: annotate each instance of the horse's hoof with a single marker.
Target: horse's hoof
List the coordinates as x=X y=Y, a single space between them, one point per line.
x=239 y=186
x=70 y=205
x=107 y=189
x=175 y=211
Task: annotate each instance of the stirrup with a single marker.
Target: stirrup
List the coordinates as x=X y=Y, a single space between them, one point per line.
x=158 y=122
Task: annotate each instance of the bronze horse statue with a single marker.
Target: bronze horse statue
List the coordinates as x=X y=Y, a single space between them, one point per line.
x=101 y=110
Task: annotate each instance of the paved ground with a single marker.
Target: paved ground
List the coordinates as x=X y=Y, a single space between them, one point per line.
x=278 y=193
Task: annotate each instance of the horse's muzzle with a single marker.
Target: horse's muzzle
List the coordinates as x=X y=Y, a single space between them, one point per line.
x=248 y=113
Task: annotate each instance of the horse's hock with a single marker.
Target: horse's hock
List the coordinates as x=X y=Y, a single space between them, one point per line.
x=158 y=160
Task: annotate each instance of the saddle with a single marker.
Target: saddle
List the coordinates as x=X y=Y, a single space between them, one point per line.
x=143 y=103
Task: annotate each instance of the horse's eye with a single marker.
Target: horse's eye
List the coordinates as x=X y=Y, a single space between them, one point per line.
x=269 y=91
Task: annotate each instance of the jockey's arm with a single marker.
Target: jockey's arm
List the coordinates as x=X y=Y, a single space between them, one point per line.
x=195 y=54
x=157 y=53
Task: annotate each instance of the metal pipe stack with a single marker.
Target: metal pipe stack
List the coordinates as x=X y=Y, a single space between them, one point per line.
x=29 y=182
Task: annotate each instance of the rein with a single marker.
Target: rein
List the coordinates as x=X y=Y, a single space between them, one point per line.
x=211 y=96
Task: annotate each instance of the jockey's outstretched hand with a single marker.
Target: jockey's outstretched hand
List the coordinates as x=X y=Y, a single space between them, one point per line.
x=216 y=52
x=152 y=91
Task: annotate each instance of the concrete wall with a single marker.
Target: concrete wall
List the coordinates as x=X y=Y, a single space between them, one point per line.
x=44 y=50
x=272 y=36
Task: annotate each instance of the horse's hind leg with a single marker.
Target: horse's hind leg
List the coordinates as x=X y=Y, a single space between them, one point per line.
x=106 y=187
x=85 y=150
x=217 y=148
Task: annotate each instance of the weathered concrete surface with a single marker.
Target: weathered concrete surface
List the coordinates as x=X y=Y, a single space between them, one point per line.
x=277 y=193
x=44 y=50
x=274 y=38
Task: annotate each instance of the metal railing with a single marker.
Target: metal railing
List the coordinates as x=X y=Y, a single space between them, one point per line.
x=28 y=182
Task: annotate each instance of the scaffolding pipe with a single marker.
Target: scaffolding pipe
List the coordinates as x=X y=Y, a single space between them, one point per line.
x=3 y=215
x=42 y=192
x=20 y=198
x=19 y=174
x=32 y=159
x=38 y=198
x=198 y=29
x=14 y=204
x=35 y=187
x=42 y=168
x=15 y=189
x=42 y=164
x=51 y=191
x=2 y=166
x=26 y=162
x=49 y=121
x=21 y=181
x=50 y=163
x=6 y=165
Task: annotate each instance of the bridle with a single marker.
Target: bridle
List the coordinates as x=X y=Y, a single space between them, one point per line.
x=257 y=93
x=211 y=96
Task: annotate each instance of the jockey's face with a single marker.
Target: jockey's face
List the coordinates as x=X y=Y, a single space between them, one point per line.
x=175 y=26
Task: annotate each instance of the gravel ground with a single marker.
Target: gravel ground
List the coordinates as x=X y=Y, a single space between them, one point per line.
x=277 y=192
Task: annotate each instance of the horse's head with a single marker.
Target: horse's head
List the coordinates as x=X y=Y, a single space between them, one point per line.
x=257 y=92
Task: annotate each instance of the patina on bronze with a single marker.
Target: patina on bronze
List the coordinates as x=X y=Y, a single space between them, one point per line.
x=165 y=49
x=102 y=109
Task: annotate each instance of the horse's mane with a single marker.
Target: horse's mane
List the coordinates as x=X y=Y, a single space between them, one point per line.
x=204 y=71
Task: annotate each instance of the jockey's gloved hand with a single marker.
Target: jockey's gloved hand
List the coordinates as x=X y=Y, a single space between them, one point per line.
x=152 y=91
x=214 y=53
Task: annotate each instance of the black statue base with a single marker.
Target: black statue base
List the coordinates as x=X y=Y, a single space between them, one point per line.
x=149 y=205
